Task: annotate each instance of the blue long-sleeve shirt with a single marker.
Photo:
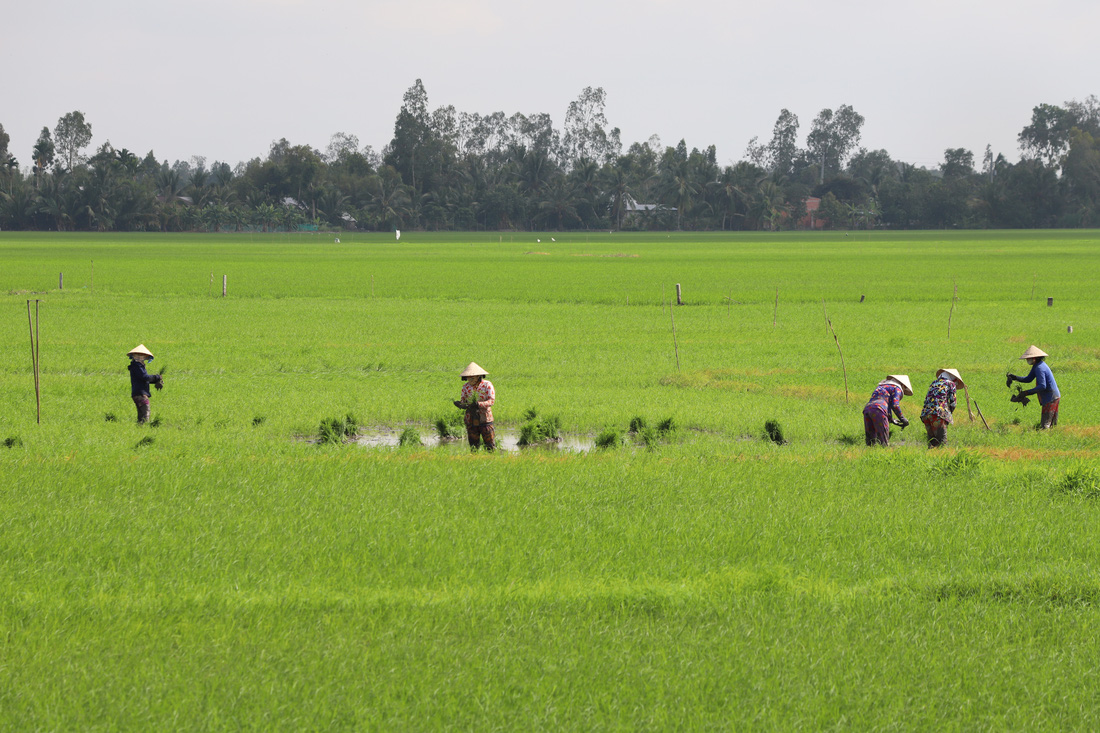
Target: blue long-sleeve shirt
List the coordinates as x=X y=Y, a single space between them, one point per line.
x=140 y=379
x=1046 y=389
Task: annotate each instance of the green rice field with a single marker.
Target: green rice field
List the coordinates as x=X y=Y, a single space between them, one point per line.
x=223 y=570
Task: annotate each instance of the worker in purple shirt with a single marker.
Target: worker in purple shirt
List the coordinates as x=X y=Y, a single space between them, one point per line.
x=1046 y=389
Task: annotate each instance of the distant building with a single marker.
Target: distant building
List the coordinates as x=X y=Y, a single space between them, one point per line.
x=810 y=220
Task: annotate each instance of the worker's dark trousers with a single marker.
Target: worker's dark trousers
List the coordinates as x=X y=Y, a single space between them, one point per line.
x=142 y=404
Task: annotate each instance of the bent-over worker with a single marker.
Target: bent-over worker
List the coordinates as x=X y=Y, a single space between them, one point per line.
x=939 y=404
x=477 y=398
x=1046 y=389
x=885 y=399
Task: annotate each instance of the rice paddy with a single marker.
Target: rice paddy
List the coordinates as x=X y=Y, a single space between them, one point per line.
x=732 y=556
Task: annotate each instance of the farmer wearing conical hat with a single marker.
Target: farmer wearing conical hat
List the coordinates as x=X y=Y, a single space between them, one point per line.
x=939 y=403
x=477 y=398
x=141 y=379
x=1046 y=389
x=885 y=399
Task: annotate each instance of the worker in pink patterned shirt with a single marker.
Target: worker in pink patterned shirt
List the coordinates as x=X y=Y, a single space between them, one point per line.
x=477 y=398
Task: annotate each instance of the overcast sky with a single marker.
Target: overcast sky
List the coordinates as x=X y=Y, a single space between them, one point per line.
x=224 y=78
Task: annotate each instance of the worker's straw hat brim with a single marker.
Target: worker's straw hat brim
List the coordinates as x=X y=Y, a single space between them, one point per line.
x=903 y=380
x=953 y=373
x=139 y=349
x=1033 y=352
x=473 y=370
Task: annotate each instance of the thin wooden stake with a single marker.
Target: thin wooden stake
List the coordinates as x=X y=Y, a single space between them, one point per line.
x=842 y=367
x=1034 y=278
x=979 y=409
x=968 y=412
x=674 y=344
x=60 y=281
x=225 y=284
x=954 y=298
x=679 y=300
x=32 y=328
x=775 y=312
x=826 y=312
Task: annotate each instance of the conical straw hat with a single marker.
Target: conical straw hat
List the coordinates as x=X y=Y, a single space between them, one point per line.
x=473 y=370
x=1033 y=352
x=139 y=349
x=954 y=374
x=903 y=380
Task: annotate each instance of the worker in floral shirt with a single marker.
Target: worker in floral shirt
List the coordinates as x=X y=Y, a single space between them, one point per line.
x=477 y=398
x=939 y=403
x=885 y=399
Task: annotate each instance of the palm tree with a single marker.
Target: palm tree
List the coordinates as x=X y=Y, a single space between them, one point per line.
x=617 y=183
x=559 y=203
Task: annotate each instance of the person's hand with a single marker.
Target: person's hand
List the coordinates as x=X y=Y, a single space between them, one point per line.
x=460 y=405
x=903 y=422
x=1009 y=379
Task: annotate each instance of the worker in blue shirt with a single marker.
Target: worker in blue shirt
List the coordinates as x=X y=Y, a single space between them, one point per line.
x=1046 y=389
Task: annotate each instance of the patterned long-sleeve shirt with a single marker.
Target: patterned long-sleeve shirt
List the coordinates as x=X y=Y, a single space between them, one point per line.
x=486 y=396
x=940 y=400
x=886 y=398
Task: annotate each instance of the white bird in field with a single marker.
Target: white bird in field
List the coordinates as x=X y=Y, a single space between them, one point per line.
x=538 y=240
x=552 y=239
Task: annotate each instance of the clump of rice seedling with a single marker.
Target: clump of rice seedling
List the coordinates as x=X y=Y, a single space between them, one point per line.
x=609 y=438
x=530 y=414
x=258 y=421
x=637 y=425
x=538 y=430
x=409 y=436
x=110 y=417
x=336 y=430
x=848 y=439
x=449 y=426
x=773 y=431
x=650 y=438
x=147 y=440
x=155 y=422
x=13 y=442
x=958 y=464
x=1083 y=481
x=668 y=425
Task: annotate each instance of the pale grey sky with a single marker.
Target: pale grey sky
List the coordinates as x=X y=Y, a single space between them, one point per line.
x=224 y=78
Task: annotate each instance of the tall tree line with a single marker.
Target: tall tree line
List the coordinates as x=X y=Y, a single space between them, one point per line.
x=450 y=170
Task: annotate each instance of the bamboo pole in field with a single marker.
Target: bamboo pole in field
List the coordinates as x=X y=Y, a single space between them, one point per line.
x=33 y=328
x=954 y=298
x=674 y=344
x=837 y=341
x=679 y=300
x=968 y=412
x=979 y=409
x=60 y=281
x=225 y=284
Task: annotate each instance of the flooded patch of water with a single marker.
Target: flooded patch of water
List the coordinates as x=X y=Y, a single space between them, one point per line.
x=388 y=438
